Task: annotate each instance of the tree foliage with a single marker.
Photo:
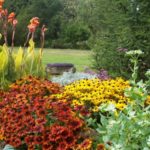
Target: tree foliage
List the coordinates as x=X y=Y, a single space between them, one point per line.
x=105 y=26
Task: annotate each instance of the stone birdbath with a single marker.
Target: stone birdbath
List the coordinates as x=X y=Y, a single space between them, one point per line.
x=59 y=68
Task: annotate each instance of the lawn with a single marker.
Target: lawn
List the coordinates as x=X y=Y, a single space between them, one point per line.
x=80 y=58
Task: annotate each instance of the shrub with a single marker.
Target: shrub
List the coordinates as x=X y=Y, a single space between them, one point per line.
x=106 y=55
x=69 y=77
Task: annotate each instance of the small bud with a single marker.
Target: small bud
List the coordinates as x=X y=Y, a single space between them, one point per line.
x=44 y=29
x=15 y=22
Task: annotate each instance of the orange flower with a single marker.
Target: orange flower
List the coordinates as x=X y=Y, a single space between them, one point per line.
x=31 y=27
x=85 y=145
x=1 y=134
x=75 y=124
x=1 y=8
x=62 y=146
x=100 y=147
x=4 y=12
x=35 y=21
x=47 y=146
x=11 y=17
x=1 y=2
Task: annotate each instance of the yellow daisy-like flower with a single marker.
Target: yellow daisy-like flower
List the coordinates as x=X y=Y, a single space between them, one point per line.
x=120 y=106
x=94 y=92
x=148 y=100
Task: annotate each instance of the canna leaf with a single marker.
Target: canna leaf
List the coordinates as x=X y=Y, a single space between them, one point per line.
x=31 y=47
x=19 y=59
x=4 y=58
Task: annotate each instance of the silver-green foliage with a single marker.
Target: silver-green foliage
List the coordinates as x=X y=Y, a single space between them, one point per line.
x=129 y=130
x=8 y=147
x=69 y=77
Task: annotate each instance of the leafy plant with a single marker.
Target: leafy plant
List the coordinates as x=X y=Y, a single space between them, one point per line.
x=129 y=128
x=24 y=62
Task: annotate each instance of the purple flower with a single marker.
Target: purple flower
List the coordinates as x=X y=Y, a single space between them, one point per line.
x=89 y=71
x=103 y=75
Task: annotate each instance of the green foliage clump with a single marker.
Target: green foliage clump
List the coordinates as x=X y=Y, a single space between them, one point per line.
x=16 y=65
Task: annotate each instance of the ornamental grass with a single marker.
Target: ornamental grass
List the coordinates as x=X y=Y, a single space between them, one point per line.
x=32 y=119
x=91 y=93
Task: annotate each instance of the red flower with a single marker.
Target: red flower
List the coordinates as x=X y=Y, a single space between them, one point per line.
x=62 y=146
x=75 y=124
x=16 y=142
x=70 y=140
x=38 y=140
x=1 y=2
x=47 y=146
x=29 y=139
x=65 y=133
x=31 y=147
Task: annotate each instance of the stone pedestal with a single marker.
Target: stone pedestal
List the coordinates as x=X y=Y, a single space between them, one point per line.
x=59 y=68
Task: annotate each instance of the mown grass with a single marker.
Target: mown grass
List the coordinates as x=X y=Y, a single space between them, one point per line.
x=80 y=58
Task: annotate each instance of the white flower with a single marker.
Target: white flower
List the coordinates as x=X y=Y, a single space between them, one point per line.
x=134 y=52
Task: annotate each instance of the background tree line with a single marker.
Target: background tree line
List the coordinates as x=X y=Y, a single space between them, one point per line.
x=109 y=27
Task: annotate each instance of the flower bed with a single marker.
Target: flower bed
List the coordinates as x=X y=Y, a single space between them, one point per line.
x=30 y=117
x=93 y=92
x=89 y=112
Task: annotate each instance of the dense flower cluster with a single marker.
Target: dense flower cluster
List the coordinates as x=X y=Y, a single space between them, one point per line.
x=30 y=115
x=93 y=92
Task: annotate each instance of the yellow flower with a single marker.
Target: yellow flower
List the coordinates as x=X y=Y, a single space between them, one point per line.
x=120 y=106
x=95 y=109
x=148 y=100
x=93 y=92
